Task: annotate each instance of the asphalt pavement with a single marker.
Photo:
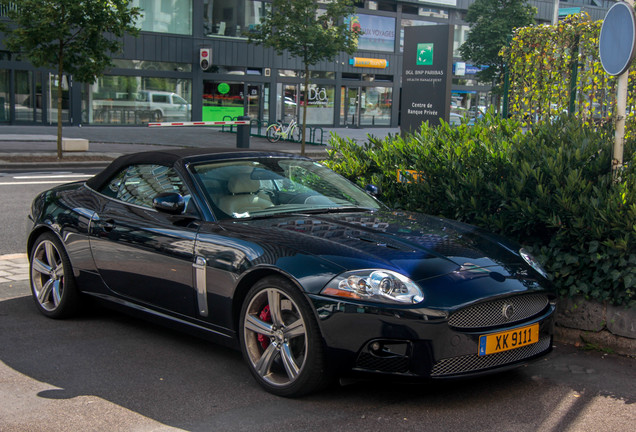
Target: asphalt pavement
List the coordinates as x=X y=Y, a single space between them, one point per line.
x=35 y=146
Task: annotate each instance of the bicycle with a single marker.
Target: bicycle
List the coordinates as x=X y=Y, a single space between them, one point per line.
x=278 y=130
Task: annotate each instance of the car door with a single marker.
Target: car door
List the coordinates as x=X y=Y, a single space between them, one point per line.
x=141 y=253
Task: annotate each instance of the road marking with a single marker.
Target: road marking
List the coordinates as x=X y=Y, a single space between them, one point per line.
x=31 y=183
x=34 y=177
x=12 y=256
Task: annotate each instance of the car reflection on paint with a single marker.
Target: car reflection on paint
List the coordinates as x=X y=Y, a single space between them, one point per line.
x=304 y=272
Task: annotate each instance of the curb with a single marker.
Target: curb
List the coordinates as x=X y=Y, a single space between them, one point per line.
x=600 y=341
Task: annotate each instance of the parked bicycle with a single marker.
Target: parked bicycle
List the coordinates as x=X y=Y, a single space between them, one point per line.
x=278 y=130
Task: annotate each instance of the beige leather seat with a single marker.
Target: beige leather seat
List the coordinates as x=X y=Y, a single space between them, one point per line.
x=244 y=197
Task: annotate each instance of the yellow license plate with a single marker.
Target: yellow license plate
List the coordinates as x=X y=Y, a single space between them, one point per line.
x=504 y=341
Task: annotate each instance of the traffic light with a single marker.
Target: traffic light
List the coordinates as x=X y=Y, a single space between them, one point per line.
x=205 y=58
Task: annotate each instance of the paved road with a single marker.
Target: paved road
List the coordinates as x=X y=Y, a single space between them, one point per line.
x=105 y=371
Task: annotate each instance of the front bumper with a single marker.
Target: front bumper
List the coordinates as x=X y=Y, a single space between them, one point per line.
x=417 y=342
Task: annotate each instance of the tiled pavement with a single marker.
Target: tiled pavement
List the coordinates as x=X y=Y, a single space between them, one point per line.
x=13 y=268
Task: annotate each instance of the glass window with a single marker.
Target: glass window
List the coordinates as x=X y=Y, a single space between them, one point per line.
x=24 y=96
x=222 y=100
x=165 y=16
x=151 y=65
x=53 y=86
x=378 y=32
x=375 y=105
x=142 y=183
x=136 y=100
x=5 y=101
x=461 y=33
x=411 y=23
x=320 y=104
x=232 y=17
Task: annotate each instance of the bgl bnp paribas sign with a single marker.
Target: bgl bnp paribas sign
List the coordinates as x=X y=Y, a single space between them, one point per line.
x=426 y=76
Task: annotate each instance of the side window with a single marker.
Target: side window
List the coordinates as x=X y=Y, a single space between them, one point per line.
x=160 y=99
x=141 y=183
x=111 y=189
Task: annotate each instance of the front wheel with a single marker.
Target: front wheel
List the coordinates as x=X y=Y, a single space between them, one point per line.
x=273 y=133
x=280 y=339
x=52 y=282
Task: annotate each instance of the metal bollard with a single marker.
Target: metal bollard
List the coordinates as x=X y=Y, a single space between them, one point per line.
x=243 y=133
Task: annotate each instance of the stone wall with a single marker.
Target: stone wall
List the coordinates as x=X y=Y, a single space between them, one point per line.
x=580 y=321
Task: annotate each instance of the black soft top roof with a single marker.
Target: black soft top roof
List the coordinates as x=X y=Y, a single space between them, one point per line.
x=172 y=157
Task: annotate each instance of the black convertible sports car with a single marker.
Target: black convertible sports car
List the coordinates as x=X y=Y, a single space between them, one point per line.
x=308 y=274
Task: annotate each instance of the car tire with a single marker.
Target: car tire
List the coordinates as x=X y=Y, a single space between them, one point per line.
x=157 y=116
x=52 y=282
x=280 y=339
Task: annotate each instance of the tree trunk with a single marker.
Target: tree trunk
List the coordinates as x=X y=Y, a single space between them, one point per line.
x=60 y=70
x=305 y=102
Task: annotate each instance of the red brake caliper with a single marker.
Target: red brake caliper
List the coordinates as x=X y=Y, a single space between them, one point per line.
x=266 y=317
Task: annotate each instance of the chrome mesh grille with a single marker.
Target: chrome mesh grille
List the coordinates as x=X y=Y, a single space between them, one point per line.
x=391 y=364
x=474 y=362
x=491 y=314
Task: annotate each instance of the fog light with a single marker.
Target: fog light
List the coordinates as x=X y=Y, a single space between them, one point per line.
x=376 y=346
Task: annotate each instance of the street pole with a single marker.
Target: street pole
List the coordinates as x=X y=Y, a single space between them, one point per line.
x=621 y=104
x=555 y=13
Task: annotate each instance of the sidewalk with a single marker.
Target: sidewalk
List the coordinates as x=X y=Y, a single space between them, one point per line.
x=27 y=146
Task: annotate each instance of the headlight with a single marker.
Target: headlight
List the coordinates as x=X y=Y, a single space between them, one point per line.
x=532 y=262
x=384 y=286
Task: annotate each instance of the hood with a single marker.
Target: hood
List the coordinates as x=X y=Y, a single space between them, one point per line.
x=418 y=246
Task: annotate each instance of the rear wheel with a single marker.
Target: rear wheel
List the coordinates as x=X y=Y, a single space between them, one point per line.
x=280 y=339
x=273 y=133
x=296 y=134
x=52 y=282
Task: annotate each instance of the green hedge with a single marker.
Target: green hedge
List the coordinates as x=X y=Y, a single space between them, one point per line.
x=549 y=188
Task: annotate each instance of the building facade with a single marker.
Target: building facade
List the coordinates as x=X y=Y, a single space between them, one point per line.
x=159 y=74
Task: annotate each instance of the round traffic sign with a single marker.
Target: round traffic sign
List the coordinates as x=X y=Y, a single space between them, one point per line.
x=617 y=41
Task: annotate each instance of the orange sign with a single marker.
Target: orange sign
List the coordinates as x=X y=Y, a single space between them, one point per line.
x=369 y=62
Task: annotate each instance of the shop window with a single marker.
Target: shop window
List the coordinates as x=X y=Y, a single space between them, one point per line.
x=378 y=32
x=320 y=104
x=222 y=100
x=351 y=76
x=136 y=100
x=5 y=101
x=287 y=73
x=152 y=65
x=375 y=106
x=165 y=16
x=231 y=17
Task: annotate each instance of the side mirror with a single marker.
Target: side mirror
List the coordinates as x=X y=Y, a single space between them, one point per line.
x=169 y=202
x=372 y=190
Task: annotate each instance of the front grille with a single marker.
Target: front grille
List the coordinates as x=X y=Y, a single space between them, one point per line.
x=491 y=314
x=397 y=364
x=474 y=362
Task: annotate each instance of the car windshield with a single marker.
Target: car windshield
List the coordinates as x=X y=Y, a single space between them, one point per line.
x=271 y=186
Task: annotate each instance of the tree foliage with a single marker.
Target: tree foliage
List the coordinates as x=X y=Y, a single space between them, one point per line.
x=308 y=31
x=74 y=37
x=491 y=24
x=540 y=61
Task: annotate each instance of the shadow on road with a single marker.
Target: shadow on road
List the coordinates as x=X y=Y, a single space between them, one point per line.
x=192 y=384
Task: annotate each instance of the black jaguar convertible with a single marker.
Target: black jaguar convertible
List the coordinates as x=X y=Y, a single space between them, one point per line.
x=312 y=277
